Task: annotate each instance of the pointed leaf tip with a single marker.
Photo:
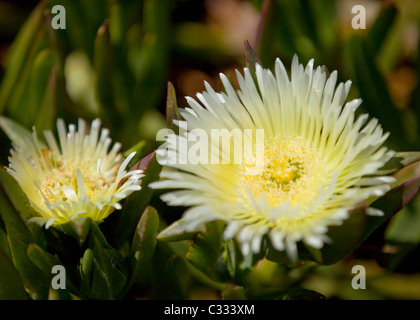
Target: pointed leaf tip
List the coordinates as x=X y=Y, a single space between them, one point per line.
x=251 y=56
x=172 y=112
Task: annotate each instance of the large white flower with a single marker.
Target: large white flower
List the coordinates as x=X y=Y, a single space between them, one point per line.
x=319 y=161
x=79 y=178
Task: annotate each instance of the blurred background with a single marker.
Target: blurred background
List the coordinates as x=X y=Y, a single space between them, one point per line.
x=114 y=59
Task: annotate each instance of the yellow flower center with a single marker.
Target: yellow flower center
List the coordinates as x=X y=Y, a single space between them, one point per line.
x=291 y=170
x=63 y=173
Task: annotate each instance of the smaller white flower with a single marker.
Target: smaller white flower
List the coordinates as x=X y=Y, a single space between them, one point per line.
x=79 y=177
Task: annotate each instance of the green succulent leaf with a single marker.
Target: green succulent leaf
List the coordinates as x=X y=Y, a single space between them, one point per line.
x=45 y=262
x=17 y=133
x=20 y=52
x=302 y=294
x=251 y=57
x=86 y=265
x=144 y=242
x=109 y=276
x=382 y=26
x=4 y=243
x=77 y=228
x=177 y=232
x=231 y=257
x=20 y=237
x=206 y=248
x=103 y=68
x=48 y=108
x=11 y=286
x=233 y=292
x=138 y=201
x=376 y=97
x=37 y=83
x=167 y=273
x=172 y=112
x=399 y=161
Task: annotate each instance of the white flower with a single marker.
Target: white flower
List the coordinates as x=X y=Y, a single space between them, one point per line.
x=80 y=177
x=319 y=160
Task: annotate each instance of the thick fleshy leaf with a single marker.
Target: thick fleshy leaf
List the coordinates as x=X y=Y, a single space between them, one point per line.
x=251 y=58
x=172 y=112
x=149 y=85
x=206 y=249
x=48 y=108
x=19 y=238
x=16 y=132
x=144 y=242
x=16 y=196
x=77 y=228
x=302 y=294
x=109 y=276
x=382 y=26
x=399 y=161
x=103 y=68
x=272 y=18
x=18 y=54
x=138 y=201
x=45 y=262
x=404 y=228
x=234 y=292
x=176 y=232
x=166 y=272
x=37 y=83
x=4 y=243
x=231 y=258
x=376 y=97
x=18 y=104
x=409 y=172
x=86 y=266
x=11 y=286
